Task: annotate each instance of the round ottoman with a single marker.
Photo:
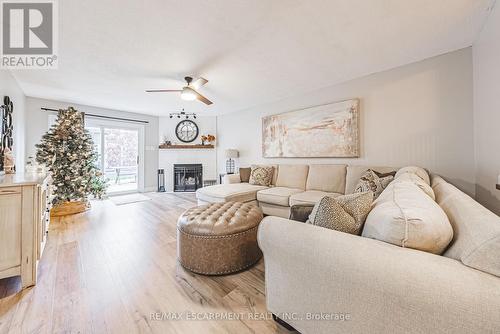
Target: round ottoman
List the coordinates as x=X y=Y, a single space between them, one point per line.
x=219 y=238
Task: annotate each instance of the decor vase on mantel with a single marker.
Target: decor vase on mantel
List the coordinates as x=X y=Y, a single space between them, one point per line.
x=207 y=138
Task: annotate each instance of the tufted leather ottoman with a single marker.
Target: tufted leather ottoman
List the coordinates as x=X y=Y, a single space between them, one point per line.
x=219 y=238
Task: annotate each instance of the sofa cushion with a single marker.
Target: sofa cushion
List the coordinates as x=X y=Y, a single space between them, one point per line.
x=329 y=178
x=310 y=197
x=418 y=171
x=277 y=195
x=261 y=175
x=238 y=192
x=231 y=178
x=245 y=174
x=292 y=176
x=476 y=240
x=405 y=216
x=345 y=213
x=353 y=174
x=275 y=210
x=373 y=181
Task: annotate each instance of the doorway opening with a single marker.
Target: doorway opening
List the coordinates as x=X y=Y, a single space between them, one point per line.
x=118 y=147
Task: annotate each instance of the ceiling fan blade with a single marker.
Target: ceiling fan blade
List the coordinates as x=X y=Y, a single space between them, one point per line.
x=202 y=98
x=198 y=83
x=163 y=90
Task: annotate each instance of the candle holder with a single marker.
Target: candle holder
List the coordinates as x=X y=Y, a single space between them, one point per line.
x=161 y=180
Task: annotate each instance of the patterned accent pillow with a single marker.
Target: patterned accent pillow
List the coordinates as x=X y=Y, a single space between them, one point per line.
x=344 y=213
x=261 y=175
x=374 y=181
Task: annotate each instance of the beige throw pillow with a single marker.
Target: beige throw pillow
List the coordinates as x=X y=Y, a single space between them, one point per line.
x=261 y=175
x=245 y=174
x=405 y=216
x=418 y=171
x=344 y=213
x=374 y=182
x=418 y=181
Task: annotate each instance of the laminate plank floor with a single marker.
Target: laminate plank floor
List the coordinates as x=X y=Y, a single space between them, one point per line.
x=113 y=269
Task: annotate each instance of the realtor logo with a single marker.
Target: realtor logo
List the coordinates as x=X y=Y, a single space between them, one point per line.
x=29 y=34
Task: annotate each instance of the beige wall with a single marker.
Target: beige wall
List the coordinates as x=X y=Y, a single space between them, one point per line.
x=9 y=86
x=418 y=114
x=487 y=111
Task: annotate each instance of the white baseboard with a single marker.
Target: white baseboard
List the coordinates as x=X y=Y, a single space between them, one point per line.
x=149 y=189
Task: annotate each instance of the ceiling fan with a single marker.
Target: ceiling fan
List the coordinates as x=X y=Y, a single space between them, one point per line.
x=188 y=92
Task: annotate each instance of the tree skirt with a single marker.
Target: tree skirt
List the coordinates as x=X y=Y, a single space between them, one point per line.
x=69 y=208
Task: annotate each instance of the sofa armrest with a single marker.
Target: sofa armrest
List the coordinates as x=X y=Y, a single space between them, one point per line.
x=301 y=212
x=382 y=287
x=231 y=178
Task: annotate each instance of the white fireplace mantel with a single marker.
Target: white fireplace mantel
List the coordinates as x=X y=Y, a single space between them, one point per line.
x=167 y=159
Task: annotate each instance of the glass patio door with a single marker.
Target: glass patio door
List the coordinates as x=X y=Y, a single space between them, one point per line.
x=121 y=159
x=118 y=156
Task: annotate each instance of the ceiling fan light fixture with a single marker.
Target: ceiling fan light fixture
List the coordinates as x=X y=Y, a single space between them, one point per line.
x=188 y=94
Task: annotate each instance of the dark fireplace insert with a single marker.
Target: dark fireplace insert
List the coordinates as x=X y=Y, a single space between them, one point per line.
x=188 y=177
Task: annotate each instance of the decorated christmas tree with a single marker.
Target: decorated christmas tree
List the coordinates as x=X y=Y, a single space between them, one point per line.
x=67 y=150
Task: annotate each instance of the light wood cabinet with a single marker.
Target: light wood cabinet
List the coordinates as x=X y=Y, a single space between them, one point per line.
x=10 y=229
x=24 y=220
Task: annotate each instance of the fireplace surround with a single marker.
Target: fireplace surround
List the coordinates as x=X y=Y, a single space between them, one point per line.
x=188 y=177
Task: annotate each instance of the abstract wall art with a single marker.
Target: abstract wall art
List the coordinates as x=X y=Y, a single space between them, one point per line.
x=326 y=131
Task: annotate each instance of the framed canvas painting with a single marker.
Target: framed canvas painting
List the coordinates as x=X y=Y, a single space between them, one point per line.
x=326 y=131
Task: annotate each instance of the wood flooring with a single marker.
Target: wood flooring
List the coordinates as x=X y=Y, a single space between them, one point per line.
x=113 y=269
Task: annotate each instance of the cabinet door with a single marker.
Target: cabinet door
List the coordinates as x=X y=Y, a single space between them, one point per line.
x=10 y=228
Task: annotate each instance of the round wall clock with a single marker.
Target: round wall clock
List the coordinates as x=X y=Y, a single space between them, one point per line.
x=187 y=131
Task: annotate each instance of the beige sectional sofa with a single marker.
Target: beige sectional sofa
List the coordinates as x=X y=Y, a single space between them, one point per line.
x=292 y=184
x=324 y=281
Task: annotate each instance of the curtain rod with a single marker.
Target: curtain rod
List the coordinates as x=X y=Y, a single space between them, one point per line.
x=106 y=117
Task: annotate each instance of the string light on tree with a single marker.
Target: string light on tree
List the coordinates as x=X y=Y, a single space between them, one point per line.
x=67 y=150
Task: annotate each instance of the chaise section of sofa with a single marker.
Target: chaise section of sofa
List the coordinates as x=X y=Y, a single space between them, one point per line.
x=239 y=192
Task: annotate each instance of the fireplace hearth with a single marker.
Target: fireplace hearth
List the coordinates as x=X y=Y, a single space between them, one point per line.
x=188 y=177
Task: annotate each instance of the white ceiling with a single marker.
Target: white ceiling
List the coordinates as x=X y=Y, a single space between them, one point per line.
x=252 y=51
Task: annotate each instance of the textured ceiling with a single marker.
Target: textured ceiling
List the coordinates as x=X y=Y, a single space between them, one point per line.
x=252 y=52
